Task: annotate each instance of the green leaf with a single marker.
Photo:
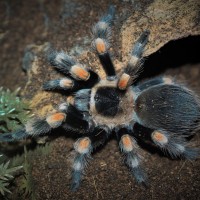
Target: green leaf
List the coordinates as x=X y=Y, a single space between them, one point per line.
x=6 y=174
x=3 y=188
x=13 y=111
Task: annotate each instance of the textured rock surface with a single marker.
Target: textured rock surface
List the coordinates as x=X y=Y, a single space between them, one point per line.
x=167 y=20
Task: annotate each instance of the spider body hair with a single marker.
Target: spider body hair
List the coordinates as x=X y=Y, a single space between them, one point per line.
x=116 y=104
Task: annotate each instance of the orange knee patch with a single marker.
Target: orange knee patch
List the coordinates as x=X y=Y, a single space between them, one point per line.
x=127 y=143
x=83 y=145
x=56 y=119
x=159 y=137
x=123 y=81
x=100 y=45
x=80 y=72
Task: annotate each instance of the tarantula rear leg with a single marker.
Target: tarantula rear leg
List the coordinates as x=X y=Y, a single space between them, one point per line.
x=176 y=146
x=83 y=148
x=155 y=81
x=132 y=158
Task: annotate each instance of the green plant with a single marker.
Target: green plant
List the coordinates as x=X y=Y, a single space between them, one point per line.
x=27 y=185
x=13 y=111
x=27 y=182
x=6 y=175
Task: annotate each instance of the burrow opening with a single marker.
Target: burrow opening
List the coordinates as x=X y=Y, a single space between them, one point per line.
x=174 y=54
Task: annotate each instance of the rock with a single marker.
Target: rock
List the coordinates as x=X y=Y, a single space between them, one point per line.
x=166 y=20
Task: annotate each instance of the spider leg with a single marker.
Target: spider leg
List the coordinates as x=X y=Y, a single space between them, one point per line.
x=82 y=77
x=98 y=137
x=68 y=65
x=68 y=117
x=71 y=84
x=155 y=81
x=36 y=127
x=132 y=158
x=134 y=67
x=175 y=146
x=83 y=148
x=75 y=120
x=102 y=33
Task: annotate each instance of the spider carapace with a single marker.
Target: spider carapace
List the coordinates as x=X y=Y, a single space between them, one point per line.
x=113 y=105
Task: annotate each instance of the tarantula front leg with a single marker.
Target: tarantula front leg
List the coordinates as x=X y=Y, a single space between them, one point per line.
x=101 y=41
x=176 y=146
x=81 y=76
x=130 y=149
x=134 y=66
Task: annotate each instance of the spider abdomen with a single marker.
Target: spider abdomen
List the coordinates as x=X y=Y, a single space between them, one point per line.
x=168 y=107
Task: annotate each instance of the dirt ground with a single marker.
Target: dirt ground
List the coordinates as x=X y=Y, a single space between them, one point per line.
x=66 y=24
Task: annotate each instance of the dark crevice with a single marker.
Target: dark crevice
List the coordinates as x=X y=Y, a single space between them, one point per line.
x=174 y=54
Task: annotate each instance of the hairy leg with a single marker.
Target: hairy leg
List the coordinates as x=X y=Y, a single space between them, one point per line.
x=134 y=66
x=176 y=146
x=101 y=42
x=132 y=157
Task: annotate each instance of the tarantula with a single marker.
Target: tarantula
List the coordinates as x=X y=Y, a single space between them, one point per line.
x=115 y=104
